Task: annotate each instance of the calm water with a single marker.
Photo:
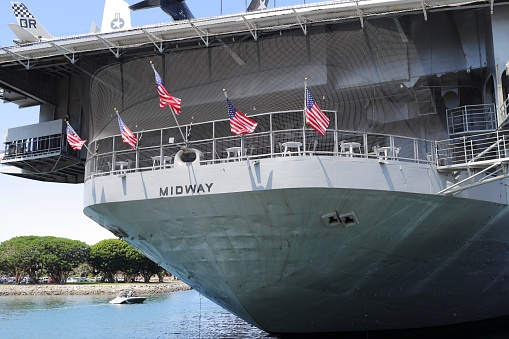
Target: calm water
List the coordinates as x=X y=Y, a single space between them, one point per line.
x=173 y=315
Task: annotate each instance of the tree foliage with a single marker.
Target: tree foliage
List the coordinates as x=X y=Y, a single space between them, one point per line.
x=32 y=255
x=59 y=257
x=20 y=256
x=112 y=256
x=107 y=257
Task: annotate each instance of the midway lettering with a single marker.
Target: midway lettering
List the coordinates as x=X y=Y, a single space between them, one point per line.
x=186 y=189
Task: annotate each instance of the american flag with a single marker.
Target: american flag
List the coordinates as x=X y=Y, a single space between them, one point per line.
x=239 y=123
x=127 y=136
x=314 y=115
x=165 y=99
x=74 y=140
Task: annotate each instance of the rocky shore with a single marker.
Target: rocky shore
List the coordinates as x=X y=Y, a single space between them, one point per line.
x=92 y=289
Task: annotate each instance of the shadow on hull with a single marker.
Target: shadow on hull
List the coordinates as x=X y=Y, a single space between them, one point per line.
x=491 y=328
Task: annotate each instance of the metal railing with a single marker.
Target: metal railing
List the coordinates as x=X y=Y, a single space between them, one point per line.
x=474 y=149
x=157 y=148
x=471 y=119
x=34 y=147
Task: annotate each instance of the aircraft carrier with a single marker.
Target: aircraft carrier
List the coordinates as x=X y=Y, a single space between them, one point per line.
x=396 y=218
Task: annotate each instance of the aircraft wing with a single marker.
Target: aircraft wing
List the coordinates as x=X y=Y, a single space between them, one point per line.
x=22 y=33
x=145 y=4
x=176 y=8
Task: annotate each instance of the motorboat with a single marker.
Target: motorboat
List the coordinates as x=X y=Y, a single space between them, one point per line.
x=127 y=297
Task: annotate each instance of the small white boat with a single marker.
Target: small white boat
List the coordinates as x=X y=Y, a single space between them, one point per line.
x=127 y=297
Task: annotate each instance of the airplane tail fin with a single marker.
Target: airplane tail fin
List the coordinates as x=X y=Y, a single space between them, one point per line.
x=257 y=5
x=94 y=28
x=176 y=8
x=31 y=29
x=116 y=16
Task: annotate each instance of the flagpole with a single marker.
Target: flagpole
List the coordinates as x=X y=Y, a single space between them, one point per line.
x=173 y=113
x=72 y=129
x=118 y=115
x=241 y=136
x=304 y=116
x=180 y=129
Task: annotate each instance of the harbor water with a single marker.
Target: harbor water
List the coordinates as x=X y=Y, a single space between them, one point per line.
x=171 y=315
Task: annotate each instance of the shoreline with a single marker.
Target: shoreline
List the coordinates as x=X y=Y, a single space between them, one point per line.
x=92 y=289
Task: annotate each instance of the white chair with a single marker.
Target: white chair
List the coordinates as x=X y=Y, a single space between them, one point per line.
x=396 y=152
x=234 y=153
x=342 y=147
x=387 y=152
x=375 y=151
x=291 y=147
x=157 y=162
x=312 y=147
x=349 y=148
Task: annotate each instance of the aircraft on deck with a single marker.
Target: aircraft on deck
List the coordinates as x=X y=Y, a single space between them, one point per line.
x=178 y=9
x=257 y=5
x=116 y=16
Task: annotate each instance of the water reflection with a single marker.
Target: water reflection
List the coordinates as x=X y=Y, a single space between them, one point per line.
x=173 y=315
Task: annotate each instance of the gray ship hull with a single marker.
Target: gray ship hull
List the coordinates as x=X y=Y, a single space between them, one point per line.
x=258 y=239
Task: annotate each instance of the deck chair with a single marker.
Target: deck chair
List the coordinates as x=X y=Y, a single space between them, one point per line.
x=312 y=147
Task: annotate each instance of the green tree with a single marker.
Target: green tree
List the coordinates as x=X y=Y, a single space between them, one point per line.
x=162 y=273
x=60 y=256
x=147 y=268
x=31 y=255
x=83 y=270
x=108 y=257
x=21 y=256
x=112 y=256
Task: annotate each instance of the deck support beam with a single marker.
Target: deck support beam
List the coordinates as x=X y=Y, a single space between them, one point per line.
x=18 y=57
x=110 y=46
x=252 y=28
x=158 y=43
x=204 y=36
x=302 y=21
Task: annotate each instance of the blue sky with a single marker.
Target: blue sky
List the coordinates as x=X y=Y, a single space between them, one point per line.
x=35 y=208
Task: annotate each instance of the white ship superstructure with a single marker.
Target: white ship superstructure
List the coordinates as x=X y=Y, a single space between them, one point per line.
x=396 y=218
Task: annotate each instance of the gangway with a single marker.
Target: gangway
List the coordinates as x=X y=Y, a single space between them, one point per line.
x=484 y=156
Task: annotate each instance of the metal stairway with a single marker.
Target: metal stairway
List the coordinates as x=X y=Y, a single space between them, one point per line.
x=484 y=156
